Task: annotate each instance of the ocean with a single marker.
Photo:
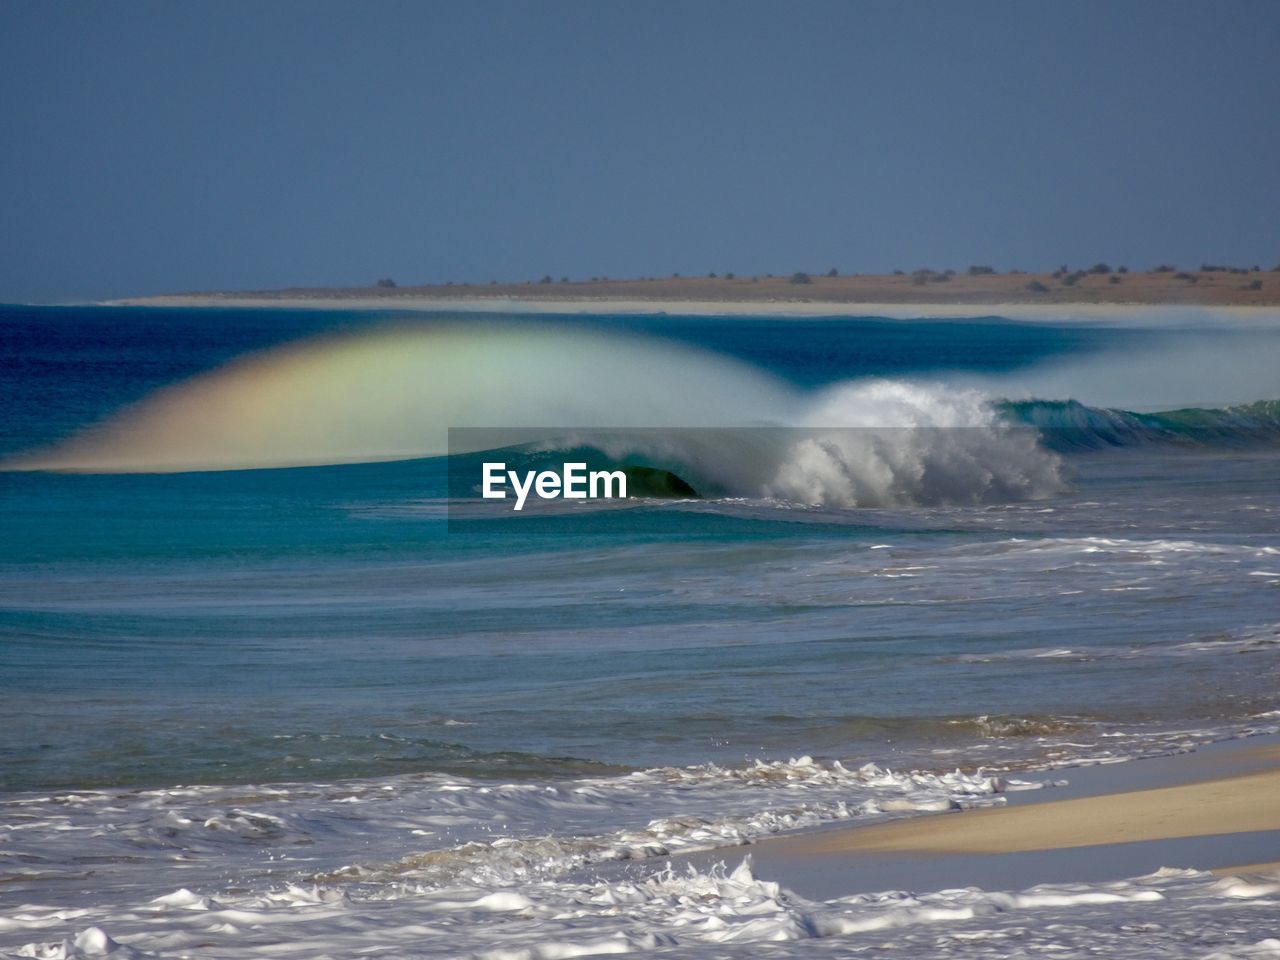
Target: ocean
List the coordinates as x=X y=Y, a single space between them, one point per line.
x=273 y=683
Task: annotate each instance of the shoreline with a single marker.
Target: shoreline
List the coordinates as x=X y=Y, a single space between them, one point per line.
x=1166 y=314
x=1210 y=809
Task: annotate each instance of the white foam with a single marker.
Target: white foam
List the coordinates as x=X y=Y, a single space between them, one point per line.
x=892 y=442
x=721 y=913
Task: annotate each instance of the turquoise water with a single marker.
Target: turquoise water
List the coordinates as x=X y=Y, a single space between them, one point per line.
x=323 y=622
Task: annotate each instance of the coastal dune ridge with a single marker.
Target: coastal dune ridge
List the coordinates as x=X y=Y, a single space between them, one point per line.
x=917 y=293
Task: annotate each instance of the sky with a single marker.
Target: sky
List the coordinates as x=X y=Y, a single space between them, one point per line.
x=153 y=147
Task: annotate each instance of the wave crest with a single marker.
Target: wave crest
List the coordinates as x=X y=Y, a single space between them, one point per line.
x=1069 y=424
x=940 y=447
x=877 y=443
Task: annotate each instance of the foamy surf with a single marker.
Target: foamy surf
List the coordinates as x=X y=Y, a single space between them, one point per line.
x=441 y=831
x=440 y=865
x=719 y=913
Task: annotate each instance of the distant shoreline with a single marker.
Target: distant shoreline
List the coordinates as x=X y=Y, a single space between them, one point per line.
x=923 y=293
x=1124 y=314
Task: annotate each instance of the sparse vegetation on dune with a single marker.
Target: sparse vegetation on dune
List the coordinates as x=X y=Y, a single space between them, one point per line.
x=1213 y=283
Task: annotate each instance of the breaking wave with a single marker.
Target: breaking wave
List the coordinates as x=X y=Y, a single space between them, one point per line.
x=396 y=393
x=1069 y=424
x=718 y=426
x=875 y=443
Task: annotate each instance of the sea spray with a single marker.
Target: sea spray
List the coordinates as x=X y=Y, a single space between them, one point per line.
x=392 y=393
x=899 y=443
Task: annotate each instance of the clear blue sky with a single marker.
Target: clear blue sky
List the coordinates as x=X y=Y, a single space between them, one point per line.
x=168 y=146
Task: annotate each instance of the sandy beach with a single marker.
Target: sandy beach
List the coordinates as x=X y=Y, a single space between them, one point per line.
x=1212 y=809
x=1234 y=804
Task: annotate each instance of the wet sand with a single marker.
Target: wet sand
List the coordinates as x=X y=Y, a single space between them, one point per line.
x=1215 y=809
x=1248 y=803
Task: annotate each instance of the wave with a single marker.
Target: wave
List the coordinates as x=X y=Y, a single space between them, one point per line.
x=401 y=393
x=1263 y=638
x=1069 y=424
x=885 y=443
x=874 y=443
x=404 y=393
x=891 y=443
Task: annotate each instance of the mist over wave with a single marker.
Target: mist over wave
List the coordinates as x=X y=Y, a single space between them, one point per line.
x=1176 y=369
x=393 y=392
